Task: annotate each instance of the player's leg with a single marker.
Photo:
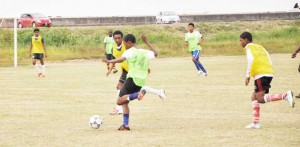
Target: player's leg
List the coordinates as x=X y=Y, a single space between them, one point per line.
x=200 y=64
x=41 y=57
x=119 y=109
x=36 y=67
x=127 y=94
x=264 y=83
x=256 y=110
x=160 y=92
x=194 y=59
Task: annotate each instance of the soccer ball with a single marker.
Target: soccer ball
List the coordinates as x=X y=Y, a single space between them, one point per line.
x=95 y=121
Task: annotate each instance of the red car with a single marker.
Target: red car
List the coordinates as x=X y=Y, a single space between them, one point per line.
x=34 y=20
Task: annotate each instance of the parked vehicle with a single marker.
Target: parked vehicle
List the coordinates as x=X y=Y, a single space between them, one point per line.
x=167 y=17
x=34 y=20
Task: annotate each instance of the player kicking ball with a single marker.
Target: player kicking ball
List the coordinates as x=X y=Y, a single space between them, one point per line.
x=37 y=50
x=260 y=68
x=134 y=86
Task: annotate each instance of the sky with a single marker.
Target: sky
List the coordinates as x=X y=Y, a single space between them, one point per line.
x=92 y=8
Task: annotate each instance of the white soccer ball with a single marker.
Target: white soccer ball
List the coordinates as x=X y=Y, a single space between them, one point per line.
x=95 y=121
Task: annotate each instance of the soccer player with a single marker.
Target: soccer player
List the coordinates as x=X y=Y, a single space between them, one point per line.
x=118 y=50
x=260 y=68
x=192 y=40
x=37 y=50
x=294 y=56
x=134 y=86
x=108 y=46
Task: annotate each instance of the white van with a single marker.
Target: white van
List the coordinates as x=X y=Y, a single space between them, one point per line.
x=167 y=17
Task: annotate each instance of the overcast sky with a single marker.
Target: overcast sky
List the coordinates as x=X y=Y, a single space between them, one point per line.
x=77 y=8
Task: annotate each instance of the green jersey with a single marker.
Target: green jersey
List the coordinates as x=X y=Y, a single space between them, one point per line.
x=193 y=40
x=138 y=62
x=109 y=44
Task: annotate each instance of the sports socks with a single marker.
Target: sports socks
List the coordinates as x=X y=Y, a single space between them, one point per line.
x=151 y=90
x=44 y=69
x=201 y=67
x=274 y=97
x=37 y=69
x=133 y=96
x=256 y=111
x=125 y=119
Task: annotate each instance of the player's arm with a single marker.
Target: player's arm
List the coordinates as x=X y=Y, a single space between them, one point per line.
x=145 y=40
x=104 y=47
x=295 y=53
x=119 y=60
x=44 y=45
x=30 y=48
x=250 y=59
x=111 y=65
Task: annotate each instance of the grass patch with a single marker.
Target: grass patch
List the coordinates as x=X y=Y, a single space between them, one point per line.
x=221 y=38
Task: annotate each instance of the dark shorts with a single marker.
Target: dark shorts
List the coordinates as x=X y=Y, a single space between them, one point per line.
x=109 y=56
x=123 y=76
x=39 y=56
x=129 y=87
x=263 y=84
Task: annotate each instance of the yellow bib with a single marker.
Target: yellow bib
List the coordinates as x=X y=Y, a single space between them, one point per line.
x=118 y=54
x=261 y=63
x=37 y=45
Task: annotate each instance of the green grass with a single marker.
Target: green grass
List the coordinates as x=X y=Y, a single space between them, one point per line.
x=221 y=38
x=199 y=111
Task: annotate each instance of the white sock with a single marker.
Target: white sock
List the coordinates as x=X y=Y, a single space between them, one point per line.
x=151 y=90
x=118 y=92
x=37 y=69
x=119 y=107
x=44 y=69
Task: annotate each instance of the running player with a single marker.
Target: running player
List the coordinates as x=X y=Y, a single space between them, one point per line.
x=108 y=46
x=192 y=40
x=260 y=68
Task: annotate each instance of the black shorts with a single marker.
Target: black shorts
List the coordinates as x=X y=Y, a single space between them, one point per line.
x=109 y=56
x=263 y=84
x=129 y=87
x=123 y=76
x=39 y=56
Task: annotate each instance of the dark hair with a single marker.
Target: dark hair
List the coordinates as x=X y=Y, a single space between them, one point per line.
x=36 y=30
x=246 y=35
x=130 y=37
x=296 y=5
x=118 y=33
x=191 y=24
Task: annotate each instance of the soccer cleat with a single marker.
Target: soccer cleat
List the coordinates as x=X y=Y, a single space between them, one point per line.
x=200 y=72
x=116 y=111
x=205 y=74
x=298 y=96
x=115 y=70
x=253 y=126
x=289 y=98
x=162 y=95
x=124 y=128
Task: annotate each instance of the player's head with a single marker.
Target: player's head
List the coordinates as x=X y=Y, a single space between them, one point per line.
x=118 y=37
x=129 y=41
x=36 y=31
x=191 y=27
x=110 y=32
x=245 y=38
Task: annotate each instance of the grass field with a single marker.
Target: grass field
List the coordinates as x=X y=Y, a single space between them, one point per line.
x=220 y=38
x=199 y=111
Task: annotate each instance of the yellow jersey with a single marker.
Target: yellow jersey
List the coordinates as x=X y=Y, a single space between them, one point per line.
x=117 y=53
x=37 y=44
x=261 y=63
